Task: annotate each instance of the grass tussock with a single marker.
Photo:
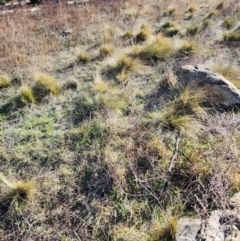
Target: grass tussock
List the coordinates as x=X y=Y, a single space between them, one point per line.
x=220 y=6
x=231 y=36
x=212 y=13
x=164 y=229
x=144 y=33
x=192 y=30
x=128 y=34
x=170 y=12
x=192 y=8
x=228 y=23
x=187 y=48
x=169 y=28
x=20 y=189
x=106 y=50
x=4 y=82
x=124 y=64
x=45 y=85
x=26 y=94
x=82 y=56
x=159 y=48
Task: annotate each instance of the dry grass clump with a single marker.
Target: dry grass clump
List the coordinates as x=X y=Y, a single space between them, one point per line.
x=192 y=30
x=169 y=28
x=170 y=119
x=159 y=48
x=44 y=85
x=212 y=13
x=205 y=23
x=4 y=82
x=192 y=8
x=144 y=34
x=124 y=64
x=20 y=190
x=82 y=56
x=187 y=48
x=170 y=12
x=26 y=95
x=228 y=23
x=100 y=85
x=231 y=36
x=106 y=50
x=164 y=228
x=128 y=34
x=183 y=112
x=220 y=6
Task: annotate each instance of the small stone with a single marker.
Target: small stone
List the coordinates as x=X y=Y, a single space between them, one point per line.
x=234 y=201
x=188 y=229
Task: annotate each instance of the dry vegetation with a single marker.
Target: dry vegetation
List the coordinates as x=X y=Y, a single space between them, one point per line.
x=105 y=143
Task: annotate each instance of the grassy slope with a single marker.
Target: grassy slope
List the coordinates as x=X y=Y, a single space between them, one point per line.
x=102 y=155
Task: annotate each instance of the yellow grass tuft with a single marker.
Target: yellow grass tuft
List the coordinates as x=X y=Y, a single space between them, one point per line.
x=159 y=48
x=231 y=36
x=125 y=64
x=228 y=23
x=100 y=85
x=26 y=95
x=44 y=85
x=187 y=48
x=82 y=56
x=106 y=50
x=144 y=33
x=4 y=82
x=192 y=30
x=21 y=190
x=192 y=8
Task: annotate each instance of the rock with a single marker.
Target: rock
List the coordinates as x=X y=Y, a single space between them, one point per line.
x=220 y=91
x=6 y=12
x=67 y=31
x=70 y=85
x=213 y=229
x=188 y=229
x=35 y=9
x=70 y=2
x=234 y=201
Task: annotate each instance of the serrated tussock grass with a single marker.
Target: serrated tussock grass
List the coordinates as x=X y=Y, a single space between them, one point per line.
x=192 y=8
x=26 y=94
x=44 y=85
x=231 y=36
x=187 y=48
x=124 y=63
x=20 y=189
x=144 y=33
x=82 y=56
x=192 y=30
x=4 y=82
x=106 y=50
x=158 y=47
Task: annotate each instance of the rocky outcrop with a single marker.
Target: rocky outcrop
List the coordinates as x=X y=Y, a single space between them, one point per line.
x=222 y=225
x=219 y=90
